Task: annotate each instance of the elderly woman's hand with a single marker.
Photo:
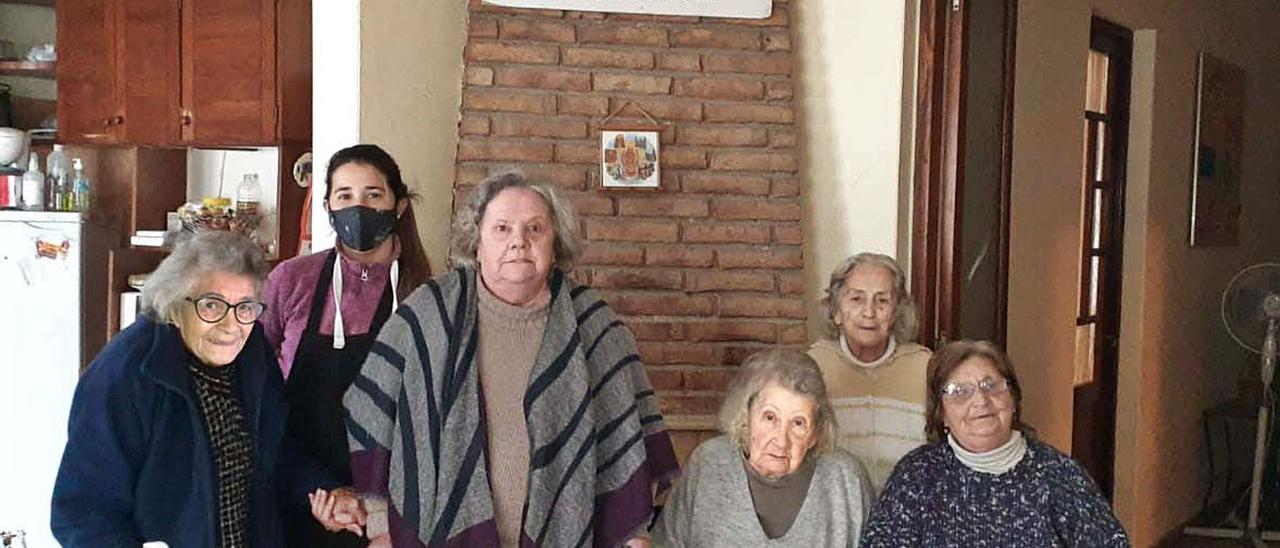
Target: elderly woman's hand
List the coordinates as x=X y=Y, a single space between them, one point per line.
x=338 y=510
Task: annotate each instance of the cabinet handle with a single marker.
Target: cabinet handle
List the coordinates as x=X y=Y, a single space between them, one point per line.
x=186 y=118
x=114 y=121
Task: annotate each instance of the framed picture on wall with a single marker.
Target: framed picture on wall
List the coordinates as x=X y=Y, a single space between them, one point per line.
x=629 y=157
x=1219 y=153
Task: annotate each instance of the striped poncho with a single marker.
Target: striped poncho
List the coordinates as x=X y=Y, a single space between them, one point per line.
x=416 y=424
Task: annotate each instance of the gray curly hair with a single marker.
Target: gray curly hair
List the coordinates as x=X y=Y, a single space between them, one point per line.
x=193 y=258
x=465 y=240
x=791 y=369
x=905 y=320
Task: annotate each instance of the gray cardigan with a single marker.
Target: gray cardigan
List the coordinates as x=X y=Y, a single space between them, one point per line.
x=711 y=505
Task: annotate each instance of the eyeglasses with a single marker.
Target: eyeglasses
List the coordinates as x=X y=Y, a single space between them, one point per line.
x=960 y=392
x=214 y=309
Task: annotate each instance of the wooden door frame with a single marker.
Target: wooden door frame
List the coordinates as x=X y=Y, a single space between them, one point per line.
x=938 y=178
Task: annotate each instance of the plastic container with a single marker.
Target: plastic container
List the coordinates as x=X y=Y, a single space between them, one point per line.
x=248 y=196
x=33 y=185
x=56 y=178
x=80 y=187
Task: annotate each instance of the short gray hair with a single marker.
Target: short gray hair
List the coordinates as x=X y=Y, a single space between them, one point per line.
x=905 y=321
x=465 y=240
x=196 y=256
x=791 y=369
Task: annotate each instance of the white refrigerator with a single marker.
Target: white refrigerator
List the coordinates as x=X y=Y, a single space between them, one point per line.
x=53 y=271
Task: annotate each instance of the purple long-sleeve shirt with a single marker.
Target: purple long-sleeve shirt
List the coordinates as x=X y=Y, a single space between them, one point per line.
x=290 y=289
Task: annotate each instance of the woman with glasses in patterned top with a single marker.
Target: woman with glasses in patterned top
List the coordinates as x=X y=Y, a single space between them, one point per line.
x=176 y=432
x=983 y=480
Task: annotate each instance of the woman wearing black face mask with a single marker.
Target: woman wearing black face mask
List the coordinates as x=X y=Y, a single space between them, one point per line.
x=324 y=310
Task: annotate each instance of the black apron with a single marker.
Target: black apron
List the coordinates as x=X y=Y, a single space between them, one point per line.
x=317 y=381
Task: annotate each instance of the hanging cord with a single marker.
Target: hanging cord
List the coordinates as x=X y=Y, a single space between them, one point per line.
x=339 y=331
x=624 y=105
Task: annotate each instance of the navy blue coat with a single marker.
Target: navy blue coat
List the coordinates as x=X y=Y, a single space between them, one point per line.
x=138 y=465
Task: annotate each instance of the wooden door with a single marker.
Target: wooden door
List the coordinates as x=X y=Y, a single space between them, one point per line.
x=88 y=111
x=228 y=72
x=149 y=75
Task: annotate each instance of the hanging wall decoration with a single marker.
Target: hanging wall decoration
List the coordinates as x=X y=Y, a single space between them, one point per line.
x=1219 y=152
x=630 y=153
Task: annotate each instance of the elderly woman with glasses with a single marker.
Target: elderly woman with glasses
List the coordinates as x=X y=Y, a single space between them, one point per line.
x=774 y=478
x=176 y=431
x=982 y=480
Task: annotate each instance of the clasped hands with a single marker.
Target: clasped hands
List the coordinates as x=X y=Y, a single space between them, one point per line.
x=338 y=510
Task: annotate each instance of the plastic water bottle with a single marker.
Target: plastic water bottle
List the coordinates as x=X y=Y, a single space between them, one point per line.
x=248 y=195
x=80 y=187
x=33 y=185
x=56 y=177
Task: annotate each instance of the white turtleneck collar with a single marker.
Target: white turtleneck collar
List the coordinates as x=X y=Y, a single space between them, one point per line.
x=883 y=359
x=996 y=461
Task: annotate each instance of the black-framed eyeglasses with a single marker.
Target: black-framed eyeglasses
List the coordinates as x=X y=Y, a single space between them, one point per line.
x=960 y=392
x=213 y=309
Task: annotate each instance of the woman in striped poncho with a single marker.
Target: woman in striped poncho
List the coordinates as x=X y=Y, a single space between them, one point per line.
x=505 y=404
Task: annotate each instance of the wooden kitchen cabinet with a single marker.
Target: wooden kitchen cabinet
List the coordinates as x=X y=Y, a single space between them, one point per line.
x=184 y=72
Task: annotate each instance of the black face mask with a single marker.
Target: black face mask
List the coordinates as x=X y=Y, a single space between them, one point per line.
x=363 y=228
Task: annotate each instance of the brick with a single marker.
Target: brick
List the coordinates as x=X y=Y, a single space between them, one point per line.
x=534 y=30
x=708 y=379
x=790 y=234
x=563 y=177
x=754 y=161
x=491 y=52
x=758 y=306
x=635 y=278
x=592 y=204
x=608 y=58
x=735 y=355
x=748 y=63
x=726 y=331
x=708 y=88
x=662 y=206
x=627 y=35
x=631 y=83
x=791 y=283
x=542 y=78
x=631 y=230
x=559 y=128
x=478 y=76
x=474 y=125
x=793 y=334
x=716 y=38
x=656 y=331
x=767 y=114
x=642 y=18
x=509 y=151
x=663 y=378
x=715 y=280
x=728 y=233
x=681 y=61
x=782 y=138
x=722 y=136
x=772 y=210
x=577 y=153
x=470 y=175
x=482 y=27
x=507 y=101
x=785 y=187
x=675 y=157
x=589 y=15
x=615 y=255
x=776 y=90
x=662 y=353
x=666 y=108
x=777 y=40
x=665 y=304
x=583 y=105
x=721 y=183
x=688 y=405
x=766 y=257
x=685 y=256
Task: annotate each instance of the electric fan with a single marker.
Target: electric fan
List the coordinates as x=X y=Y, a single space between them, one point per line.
x=1251 y=314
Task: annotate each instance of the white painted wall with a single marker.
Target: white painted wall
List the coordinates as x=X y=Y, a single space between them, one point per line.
x=218 y=172
x=335 y=104
x=851 y=96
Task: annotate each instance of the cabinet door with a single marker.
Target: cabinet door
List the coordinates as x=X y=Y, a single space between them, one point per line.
x=149 y=76
x=228 y=71
x=87 y=107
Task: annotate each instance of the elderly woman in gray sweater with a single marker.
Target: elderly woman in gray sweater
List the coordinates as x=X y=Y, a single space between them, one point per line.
x=774 y=478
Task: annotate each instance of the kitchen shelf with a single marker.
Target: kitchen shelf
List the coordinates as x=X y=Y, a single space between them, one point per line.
x=33 y=69
x=48 y=3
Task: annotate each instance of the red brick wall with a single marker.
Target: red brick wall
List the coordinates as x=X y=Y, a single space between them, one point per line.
x=709 y=268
